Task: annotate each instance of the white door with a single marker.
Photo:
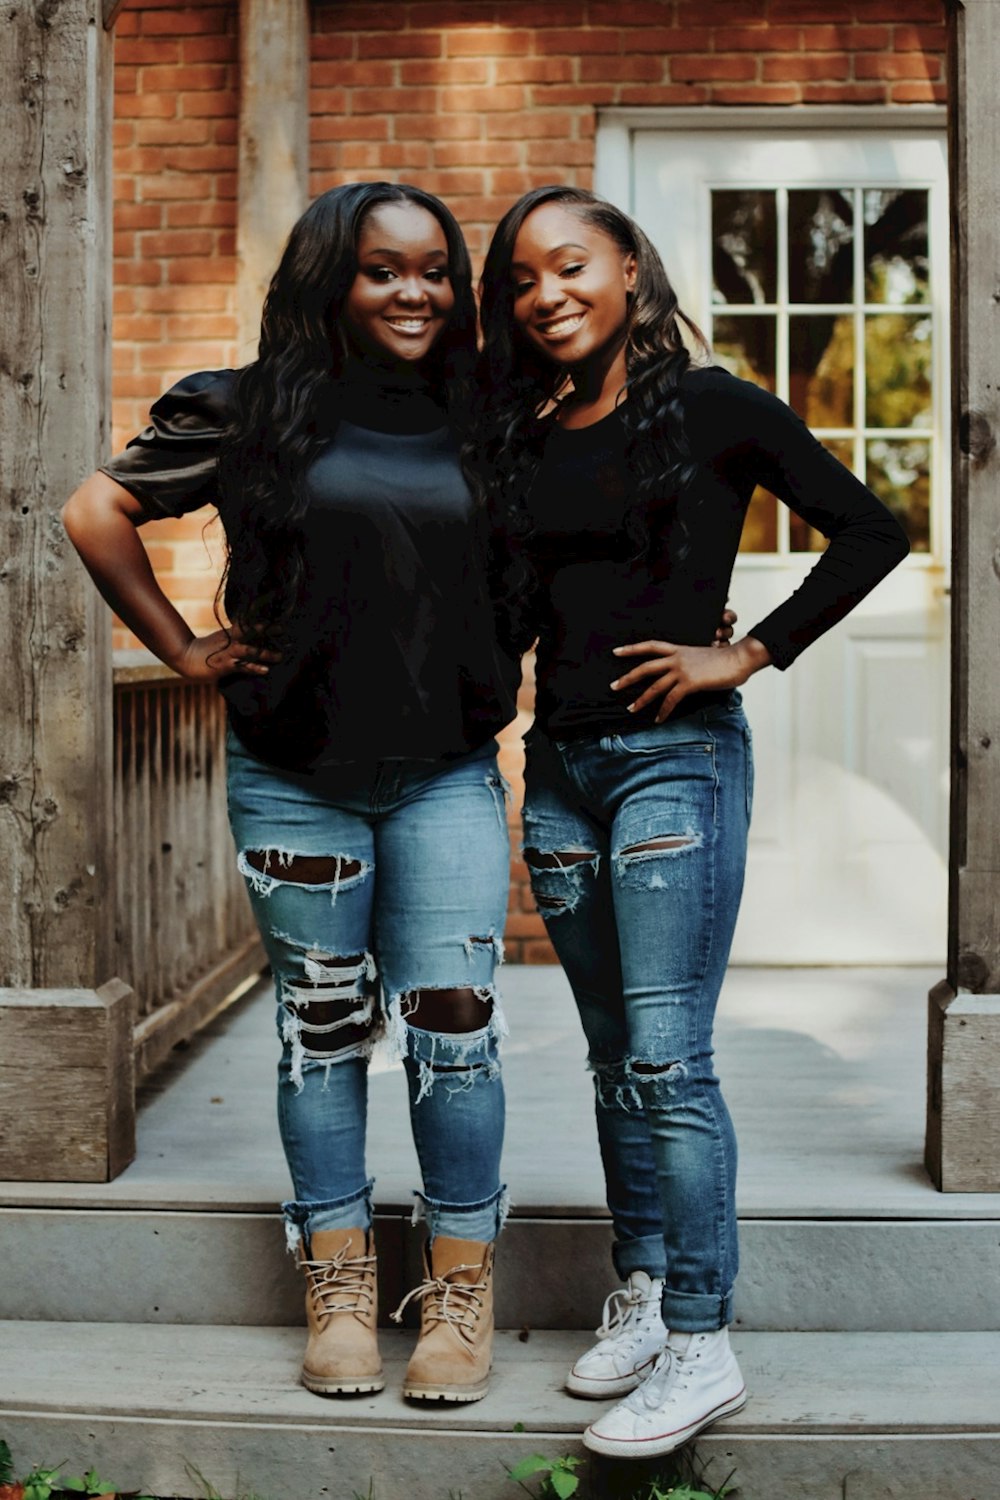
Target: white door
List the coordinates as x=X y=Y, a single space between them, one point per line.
x=816 y=263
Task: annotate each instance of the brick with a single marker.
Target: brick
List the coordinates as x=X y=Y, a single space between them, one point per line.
x=560 y=153
x=122 y=133
x=145 y=107
x=193 y=354
x=725 y=69
x=534 y=70
x=539 y=123
x=200 y=158
x=807 y=10
x=123 y=244
x=143 y=328
x=335 y=16
x=401 y=44
x=843 y=93
x=178 y=185
x=897 y=65
x=455 y=70
x=371 y=75
x=208 y=104
x=917 y=11
x=393 y=101
x=126 y=80
x=519 y=180
x=919 y=38
x=630 y=13
x=802 y=69
x=199 y=49
x=189 y=21
x=220 y=269
x=215 y=215
x=664 y=94
x=521 y=924
x=173 y=132
x=723 y=13
x=170 y=242
x=589 y=95
x=637 y=69
x=202 y=326
x=326 y=156
x=183 y=299
x=335 y=128
x=225 y=131
x=453 y=183
x=476 y=153
x=351 y=154
x=451 y=12
x=138 y=273
x=327 y=101
x=500 y=98
x=431 y=127
x=578 y=43
x=404 y=154
x=172 y=80
x=919 y=93
x=865 y=38
x=775 y=93
x=138 y=216
x=549 y=13
x=330 y=44
x=770 y=39
x=135 y=160
x=488 y=43
x=142 y=50
x=670 y=39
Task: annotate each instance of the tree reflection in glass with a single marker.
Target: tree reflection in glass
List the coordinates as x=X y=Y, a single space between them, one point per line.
x=899 y=473
x=820 y=245
x=821 y=369
x=744 y=247
x=898 y=370
x=897 y=266
x=746 y=346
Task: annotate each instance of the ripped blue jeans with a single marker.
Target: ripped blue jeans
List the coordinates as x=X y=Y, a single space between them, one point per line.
x=636 y=846
x=372 y=886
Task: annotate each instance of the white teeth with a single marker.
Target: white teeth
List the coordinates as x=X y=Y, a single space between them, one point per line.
x=563 y=325
x=408 y=325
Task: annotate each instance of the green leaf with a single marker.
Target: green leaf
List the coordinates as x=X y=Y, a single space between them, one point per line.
x=518 y=1427
x=6 y=1463
x=536 y=1464
x=73 y=1482
x=564 y=1483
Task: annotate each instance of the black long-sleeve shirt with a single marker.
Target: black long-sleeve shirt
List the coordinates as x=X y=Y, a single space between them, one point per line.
x=597 y=594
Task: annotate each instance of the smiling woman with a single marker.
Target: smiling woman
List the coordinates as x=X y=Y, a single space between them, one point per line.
x=402 y=295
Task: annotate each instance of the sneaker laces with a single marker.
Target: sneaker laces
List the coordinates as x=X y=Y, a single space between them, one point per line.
x=623 y=1312
x=658 y=1388
x=457 y=1304
x=342 y=1284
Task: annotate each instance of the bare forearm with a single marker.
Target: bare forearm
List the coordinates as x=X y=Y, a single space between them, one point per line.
x=102 y=527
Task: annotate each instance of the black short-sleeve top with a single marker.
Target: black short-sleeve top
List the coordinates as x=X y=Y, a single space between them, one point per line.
x=394 y=654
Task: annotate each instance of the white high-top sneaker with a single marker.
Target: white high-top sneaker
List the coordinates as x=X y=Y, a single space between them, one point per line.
x=688 y=1389
x=631 y=1337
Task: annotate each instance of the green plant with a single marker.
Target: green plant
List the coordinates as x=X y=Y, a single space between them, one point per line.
x=557 y=1474
x=558 y=1481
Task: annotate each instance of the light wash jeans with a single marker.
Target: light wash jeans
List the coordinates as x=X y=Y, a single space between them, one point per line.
x=636 y=845
x=417 y=900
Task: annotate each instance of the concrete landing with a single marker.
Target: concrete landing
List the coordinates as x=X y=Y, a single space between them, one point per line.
x=824 y=1071
x=827 y=1411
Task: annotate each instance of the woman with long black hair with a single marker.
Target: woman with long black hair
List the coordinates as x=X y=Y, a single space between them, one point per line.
x=364 y=686
x=621 y=471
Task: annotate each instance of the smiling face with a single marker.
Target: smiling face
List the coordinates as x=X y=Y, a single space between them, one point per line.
x=570 y=286
x=401 y=297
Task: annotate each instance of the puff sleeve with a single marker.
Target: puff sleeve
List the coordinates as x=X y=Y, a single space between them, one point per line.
x=170 y=467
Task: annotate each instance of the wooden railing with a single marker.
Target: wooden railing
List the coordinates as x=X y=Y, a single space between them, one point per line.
x=186 y=940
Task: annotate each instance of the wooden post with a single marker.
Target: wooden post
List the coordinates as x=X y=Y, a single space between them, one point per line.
x=963 y=1104
x=273 y=147
x=55 y=710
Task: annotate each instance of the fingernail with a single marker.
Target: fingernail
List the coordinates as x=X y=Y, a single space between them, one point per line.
x=615 y=683
x=616 y=651
x=631 y=708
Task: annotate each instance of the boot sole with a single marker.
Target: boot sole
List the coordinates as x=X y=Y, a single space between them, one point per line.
x=447 y=1392
x=357 y=1385
x=667 y=1442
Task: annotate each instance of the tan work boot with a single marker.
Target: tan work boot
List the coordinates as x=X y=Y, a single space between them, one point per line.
x=341 y=1306
x=452 y=1359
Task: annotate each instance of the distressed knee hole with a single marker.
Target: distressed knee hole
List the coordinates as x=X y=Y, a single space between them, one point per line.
x=538 y=859
x=557 y=877
x=659 y=846
x=655 y=1070
x=303 y=869
x=449 y=1011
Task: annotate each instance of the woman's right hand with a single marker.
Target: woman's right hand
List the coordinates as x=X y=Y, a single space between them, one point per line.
x=206 y=658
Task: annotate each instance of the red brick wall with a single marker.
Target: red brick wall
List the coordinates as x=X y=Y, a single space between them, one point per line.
x=476 y=100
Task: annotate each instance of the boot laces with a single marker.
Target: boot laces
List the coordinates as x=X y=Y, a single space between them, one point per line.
x=343 y=1284
x=457 y=1304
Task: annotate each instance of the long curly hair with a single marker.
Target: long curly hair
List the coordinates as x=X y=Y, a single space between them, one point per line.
x=285 y=402
x=519 y=387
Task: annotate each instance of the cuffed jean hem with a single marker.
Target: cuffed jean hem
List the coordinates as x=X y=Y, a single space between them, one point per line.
x=463 y=1221
x=696 y=1312
x=646 y=1254
x=304 y=1219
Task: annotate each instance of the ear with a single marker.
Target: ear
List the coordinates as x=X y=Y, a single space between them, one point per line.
x=631 y=270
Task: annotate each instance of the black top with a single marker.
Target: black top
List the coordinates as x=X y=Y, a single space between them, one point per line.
x=394 y=655
x=596 y=594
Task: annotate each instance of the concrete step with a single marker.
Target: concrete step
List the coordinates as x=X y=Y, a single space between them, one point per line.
x=867 y=1416
x=147 y=1266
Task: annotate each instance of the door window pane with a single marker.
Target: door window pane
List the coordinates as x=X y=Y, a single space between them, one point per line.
x=747 y=347
x=820 y=246
x=760 y=527
x=898 y=370
x=744 y=247
x=897 y=265
x=821 y=369
x=899 y=473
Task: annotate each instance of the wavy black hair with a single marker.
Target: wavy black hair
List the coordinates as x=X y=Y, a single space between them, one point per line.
x=519 y=386
x=285 y=400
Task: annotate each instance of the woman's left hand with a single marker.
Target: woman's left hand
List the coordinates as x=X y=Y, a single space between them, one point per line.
x=672 y=672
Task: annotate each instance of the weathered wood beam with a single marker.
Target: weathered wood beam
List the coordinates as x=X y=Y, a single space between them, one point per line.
x=112 y=8
x=963 y=1117
x=273 y=147
x=56 y=939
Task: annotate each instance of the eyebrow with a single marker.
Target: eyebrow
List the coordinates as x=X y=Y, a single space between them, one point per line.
x=387 y=254
x=569 y=245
